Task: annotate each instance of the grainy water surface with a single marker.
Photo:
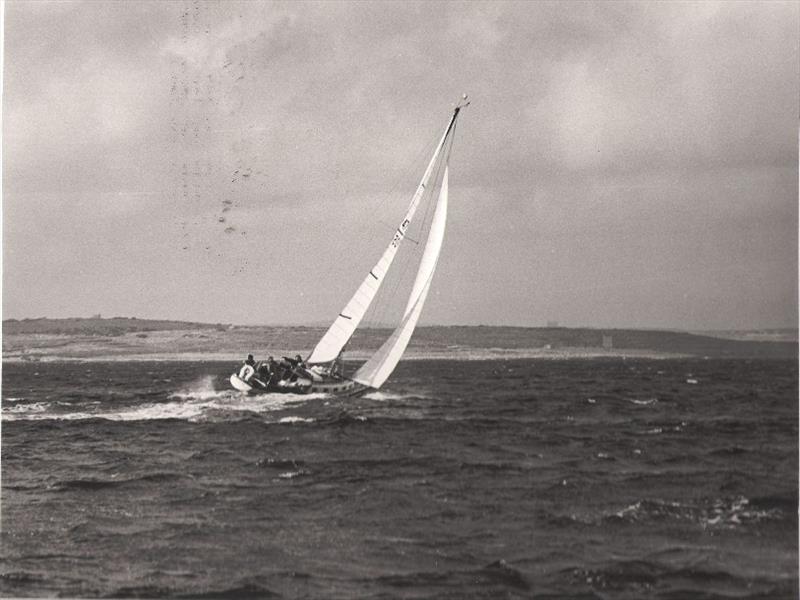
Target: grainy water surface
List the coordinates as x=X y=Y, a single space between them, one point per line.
x=500 y=479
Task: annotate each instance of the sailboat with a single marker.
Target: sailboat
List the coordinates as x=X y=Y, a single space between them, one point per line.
x=321 y=372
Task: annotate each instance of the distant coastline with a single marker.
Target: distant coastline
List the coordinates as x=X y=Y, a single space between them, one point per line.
x=130 y=339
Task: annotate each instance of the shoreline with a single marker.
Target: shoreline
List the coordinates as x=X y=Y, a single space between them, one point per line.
x=434 y=343
x=477 y=354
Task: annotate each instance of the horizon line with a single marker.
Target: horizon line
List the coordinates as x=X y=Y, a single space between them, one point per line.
x=312 y=324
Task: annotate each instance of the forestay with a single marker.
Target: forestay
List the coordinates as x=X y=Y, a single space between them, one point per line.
x=343 y=327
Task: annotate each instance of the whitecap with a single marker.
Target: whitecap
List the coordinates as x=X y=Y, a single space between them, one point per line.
x=296 y=420
x=645 y=402
x=632 y=510
x=32 y=407
x=739 y=511
x=292 y=474
x=386 y=396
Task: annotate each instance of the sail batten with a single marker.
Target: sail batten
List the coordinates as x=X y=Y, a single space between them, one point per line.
x=343 y=327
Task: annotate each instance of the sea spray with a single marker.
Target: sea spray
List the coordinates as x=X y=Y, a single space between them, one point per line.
x=200 y=389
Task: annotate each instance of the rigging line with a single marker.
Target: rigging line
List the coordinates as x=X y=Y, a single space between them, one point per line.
x=385 y=307
x=437 y=185
x=379 y=207
x=411 y=256
x=405 y=175
x=380 y=309
x=436 y=192
x=369 y=236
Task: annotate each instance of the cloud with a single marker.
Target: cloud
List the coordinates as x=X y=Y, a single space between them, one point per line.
x=684 y=85
x=592 y=121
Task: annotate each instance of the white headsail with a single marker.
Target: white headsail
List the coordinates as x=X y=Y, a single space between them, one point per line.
x=378 y=368
x=343 y=327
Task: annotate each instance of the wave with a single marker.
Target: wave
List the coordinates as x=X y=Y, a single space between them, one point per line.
x=644 y=402
x=20 y=577
x=296 y=420
x=785 y=503
x=344 y=418
x=720 y=512
x=97 y=484
x=9 y=412
x=381 y=396
x=663 y=428
x=498 y=574
x=141 y=591
x=504 y=573
x=197 y=402
x=642 y=576
x=241 y=592
x=293 y=474
x=276 y=463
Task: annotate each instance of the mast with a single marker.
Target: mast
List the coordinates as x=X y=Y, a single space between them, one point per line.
x=345 y=324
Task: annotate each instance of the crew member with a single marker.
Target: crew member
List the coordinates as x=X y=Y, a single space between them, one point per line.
x=248 y=368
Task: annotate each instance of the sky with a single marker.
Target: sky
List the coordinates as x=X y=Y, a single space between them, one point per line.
x=620 y=165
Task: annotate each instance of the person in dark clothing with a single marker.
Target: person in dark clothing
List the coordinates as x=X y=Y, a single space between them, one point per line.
x=272 y=369
x=293 y=362
x=284 y=368
x=263 y=371
x=336 y=367
x=296 y=367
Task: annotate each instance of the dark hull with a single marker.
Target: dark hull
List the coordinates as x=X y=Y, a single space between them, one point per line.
x=335 y=387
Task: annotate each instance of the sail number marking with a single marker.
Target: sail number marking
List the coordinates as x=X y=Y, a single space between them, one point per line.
x=401 y=232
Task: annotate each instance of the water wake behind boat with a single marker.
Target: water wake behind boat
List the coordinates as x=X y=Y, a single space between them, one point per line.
x=197 y=401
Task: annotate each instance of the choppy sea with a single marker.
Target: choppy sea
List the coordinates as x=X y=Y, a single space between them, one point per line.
x=595 y=478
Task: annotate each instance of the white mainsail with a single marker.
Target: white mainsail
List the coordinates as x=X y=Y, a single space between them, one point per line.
x=378 y=368
x=343 y=327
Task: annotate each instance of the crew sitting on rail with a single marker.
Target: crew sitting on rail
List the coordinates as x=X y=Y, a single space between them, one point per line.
x=272 y=366
x=248 y=368
x=296 y=367
x=268 y=370
x=263 y=370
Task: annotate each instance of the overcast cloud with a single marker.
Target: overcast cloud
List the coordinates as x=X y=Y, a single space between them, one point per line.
x=622 y=164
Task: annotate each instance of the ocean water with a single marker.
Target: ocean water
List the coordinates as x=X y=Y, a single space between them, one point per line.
x=486 y=479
